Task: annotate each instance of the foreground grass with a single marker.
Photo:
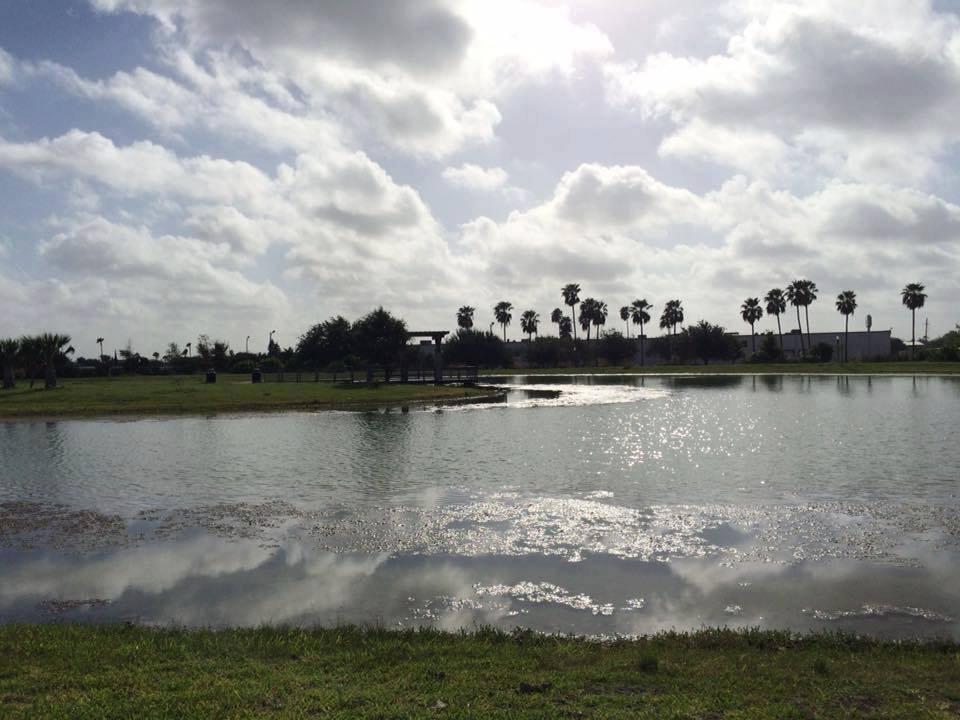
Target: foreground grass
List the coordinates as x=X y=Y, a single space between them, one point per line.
x=81 y=671
x=859 y=368
x=140 y=395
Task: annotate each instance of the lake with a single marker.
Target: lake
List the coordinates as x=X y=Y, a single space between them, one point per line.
x=599 y=505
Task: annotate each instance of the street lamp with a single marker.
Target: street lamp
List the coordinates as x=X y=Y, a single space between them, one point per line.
x=248 y=345
x=270 y=341
x=491 y=328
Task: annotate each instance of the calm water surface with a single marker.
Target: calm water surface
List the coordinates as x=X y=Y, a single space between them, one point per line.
x=599 y=505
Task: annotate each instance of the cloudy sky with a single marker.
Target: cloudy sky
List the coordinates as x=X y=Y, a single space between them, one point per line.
x=176 y=167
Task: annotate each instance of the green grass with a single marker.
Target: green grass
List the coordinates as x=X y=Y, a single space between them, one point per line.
x=139 y=395
x=81 y=671
x=859 y=368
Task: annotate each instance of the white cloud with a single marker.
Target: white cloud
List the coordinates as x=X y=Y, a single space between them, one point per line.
x=475 y=177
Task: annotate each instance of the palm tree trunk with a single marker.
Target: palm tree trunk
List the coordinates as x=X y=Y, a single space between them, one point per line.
x=50 y=376
x=753 y=337
x=806 y=311
x=504 y=332
x=642 y=339
x=846 y=341
x=913 y=334
x=573 y=316
x=8 y=381
x=800 y=327
x=780 y=333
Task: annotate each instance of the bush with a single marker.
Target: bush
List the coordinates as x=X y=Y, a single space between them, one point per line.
x=546 y=352
x=243 y=366
x=472 y=347
x=615 y=348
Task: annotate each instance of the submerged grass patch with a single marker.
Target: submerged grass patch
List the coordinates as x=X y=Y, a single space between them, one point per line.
x=119 y=671
x=140 y=395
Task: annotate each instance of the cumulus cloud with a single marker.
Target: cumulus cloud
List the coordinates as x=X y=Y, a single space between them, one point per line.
x=475 y=177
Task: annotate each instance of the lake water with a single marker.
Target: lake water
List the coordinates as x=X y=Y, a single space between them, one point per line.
x=597 y=505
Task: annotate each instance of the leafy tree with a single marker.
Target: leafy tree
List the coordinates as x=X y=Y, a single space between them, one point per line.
x=566 y=327
x=471 y=347
x=769 y=350
x=465 y=317
x=173 y=352
x=379 y=339
x=616 y=348
x=751 y=312
x=640 y=315
x=529 y=322
x=571 y=296
x=846 y=306
x=9 y=354
x=707 y=342
x=914 y=298
x=213 y=352
x=51 y=346
x=776 y=305
x=325 y=343
x=502 y=314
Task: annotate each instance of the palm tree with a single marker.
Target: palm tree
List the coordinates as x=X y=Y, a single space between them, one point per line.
x=846 y=306
x=776 y=304
x=640 y=315
x=625 y=316
x=671 y=317
x=571 y=296
x=556 y=317
x=751 y=312
x=914 y=297
x=600 y=313
x=9 y=352
x=587 y=308
x=809 y=294
x=565 y=327
x=529 y=322
x=465 y=317
x=100 y=343
x=501 y=311
x=51 y=347
x=795 y=296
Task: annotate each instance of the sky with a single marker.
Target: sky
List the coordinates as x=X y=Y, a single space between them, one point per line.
x=170 y=168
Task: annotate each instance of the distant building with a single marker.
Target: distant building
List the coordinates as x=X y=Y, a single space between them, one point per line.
x=863 y=345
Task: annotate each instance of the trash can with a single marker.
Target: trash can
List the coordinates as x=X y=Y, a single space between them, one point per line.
x=211 y=376
x=256 y=376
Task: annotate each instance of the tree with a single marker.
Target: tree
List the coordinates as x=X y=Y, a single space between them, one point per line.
x=565 y=327
x=9 y=353
x=529 y=322
x=846 y=306
x=671 y=316
x=186 y=348
x=472 y=347
x=502 y=314
x=796 y=296
x=625 y=316
x=465 y=317
x=380 y=338
x=51 y=347
x=751 y=312
x=776 y=305
x=587 y=309
x=326 y=343
x=708 y=341
x=599 y=314
x=571 y=296
x=100 y=343
x=640 y=315
x=556 y=317
x=173 y=352
x=914 y=298
x=616 y=348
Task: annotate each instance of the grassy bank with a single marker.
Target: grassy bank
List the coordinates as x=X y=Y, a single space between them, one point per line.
x=190 y=395
x=115 y=671
x=864 y=368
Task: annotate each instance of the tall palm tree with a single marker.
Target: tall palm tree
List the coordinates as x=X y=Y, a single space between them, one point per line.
x=571 y=296
x=100 y=343
x=671 y=316
x=846 y=306
x=529 y=322
x=795 y=296
x=465 y=317
x=640 y=315
x=751 y=312
x=914 y=297
x=599 y=318
x=9 y=352
x=625 y=316
x=501 y=311
x=776 y=305
x=51 y=347
x=587 y=308
x=810 y=294
x=556 y=317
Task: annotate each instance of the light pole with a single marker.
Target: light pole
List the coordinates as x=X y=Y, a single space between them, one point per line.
x=270 y=341
x=491 y=328
x=248 y=345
